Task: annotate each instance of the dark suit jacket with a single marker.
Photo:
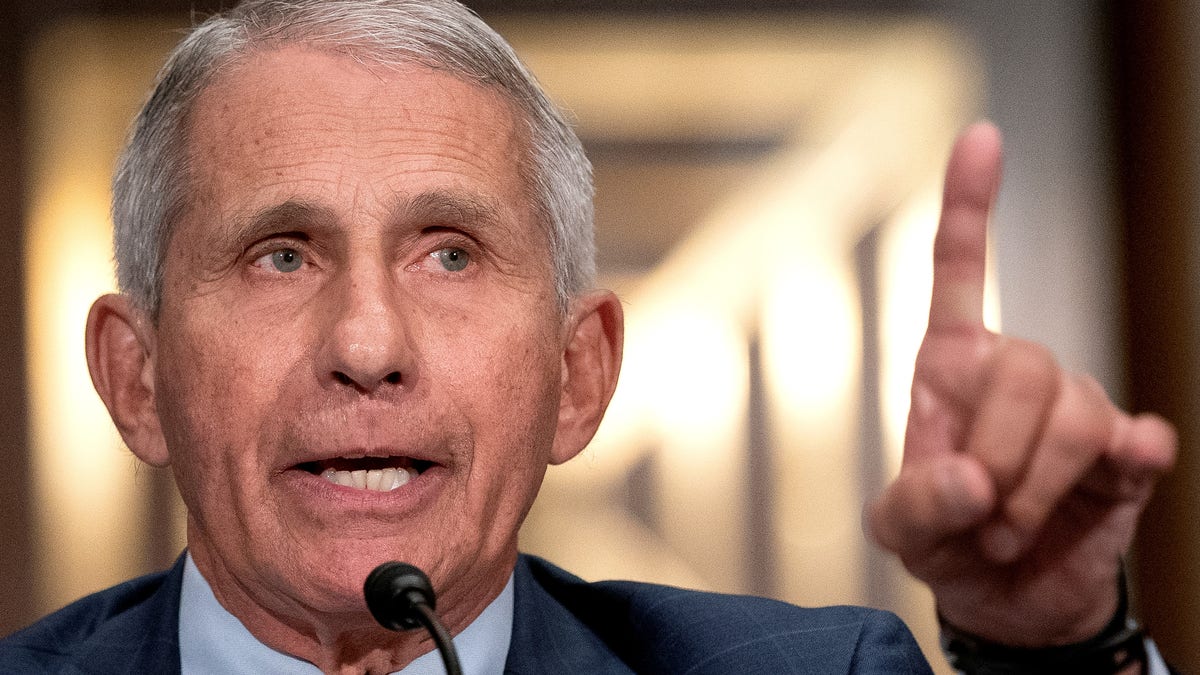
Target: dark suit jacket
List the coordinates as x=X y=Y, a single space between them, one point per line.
x=562 y=625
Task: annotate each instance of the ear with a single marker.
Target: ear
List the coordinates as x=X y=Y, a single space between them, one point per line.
x=121 y=348
x=591 y=361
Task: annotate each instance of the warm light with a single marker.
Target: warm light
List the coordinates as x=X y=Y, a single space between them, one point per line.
x=862 y=114
x=84 y=82
x=862 y=129
x=83 y=475
x=905 y=267
x=695 y=372
x=811 y=336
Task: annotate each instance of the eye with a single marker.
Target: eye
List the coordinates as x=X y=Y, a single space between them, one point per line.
x=451 y=258
x=282 y=260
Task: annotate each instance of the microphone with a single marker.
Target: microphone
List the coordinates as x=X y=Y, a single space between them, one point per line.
x=400 y=597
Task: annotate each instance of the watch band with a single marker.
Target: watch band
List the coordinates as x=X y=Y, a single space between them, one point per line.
x=1106 y=654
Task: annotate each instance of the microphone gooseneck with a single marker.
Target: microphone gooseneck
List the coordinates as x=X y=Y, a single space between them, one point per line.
x=400 y=597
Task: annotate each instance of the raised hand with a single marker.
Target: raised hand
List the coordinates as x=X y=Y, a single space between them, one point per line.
x=1021 y=484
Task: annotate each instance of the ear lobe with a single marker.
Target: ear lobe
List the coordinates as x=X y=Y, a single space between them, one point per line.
x=591 y=361
x=121 y=357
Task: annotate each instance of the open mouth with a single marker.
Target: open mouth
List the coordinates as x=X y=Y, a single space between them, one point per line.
x=380 y=474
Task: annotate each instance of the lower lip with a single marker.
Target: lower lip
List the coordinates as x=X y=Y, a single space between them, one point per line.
x=411 y=496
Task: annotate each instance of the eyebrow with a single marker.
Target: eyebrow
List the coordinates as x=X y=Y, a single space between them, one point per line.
x=428 y=208
x=291 y=215
x=449 y=208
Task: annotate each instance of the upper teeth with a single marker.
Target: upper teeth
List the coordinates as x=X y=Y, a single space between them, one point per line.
x=381 y=480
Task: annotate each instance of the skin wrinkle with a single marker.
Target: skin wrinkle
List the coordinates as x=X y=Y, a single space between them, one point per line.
x=448 y=202
x=517 y=135
x=506 y=363
x=512 y=353
x=246 y=365
x=565 y=197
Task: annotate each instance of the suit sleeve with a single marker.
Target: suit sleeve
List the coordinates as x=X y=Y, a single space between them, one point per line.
x=887 y=647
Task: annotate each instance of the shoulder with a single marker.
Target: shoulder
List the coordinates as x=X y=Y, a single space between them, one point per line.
x=677 y=629
x=135 y=622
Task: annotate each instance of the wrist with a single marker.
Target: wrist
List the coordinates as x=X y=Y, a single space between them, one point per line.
x=1119 y=648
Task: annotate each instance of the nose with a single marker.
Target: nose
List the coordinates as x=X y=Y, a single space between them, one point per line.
x=367 y=339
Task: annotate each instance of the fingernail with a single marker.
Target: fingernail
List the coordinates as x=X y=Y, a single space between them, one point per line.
x=1001 y=543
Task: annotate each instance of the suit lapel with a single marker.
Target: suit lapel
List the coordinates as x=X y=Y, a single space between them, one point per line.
x=547 y=638
x=144 y=639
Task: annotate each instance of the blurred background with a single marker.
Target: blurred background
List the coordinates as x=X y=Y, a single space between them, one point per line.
x=767 y=182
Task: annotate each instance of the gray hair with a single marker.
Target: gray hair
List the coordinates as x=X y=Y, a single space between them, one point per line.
x=150 y=188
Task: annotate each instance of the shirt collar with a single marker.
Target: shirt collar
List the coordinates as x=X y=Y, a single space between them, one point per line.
x=211 y=640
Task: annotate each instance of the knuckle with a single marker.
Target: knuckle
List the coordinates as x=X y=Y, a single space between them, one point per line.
x=1083 y=423
x=1075 y=440
x=1026 y=513
x=1027 y=381
x=1090 y=433
x=1089 y=385
x=905 y=515
x=1029 y=365
x=1003 y=460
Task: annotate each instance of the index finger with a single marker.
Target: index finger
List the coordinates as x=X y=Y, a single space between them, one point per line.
x=960 y=248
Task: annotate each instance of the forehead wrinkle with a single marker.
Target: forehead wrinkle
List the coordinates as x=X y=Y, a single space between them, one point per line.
x=429 y=148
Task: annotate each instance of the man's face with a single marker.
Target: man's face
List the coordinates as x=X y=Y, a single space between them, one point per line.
x=359 y=292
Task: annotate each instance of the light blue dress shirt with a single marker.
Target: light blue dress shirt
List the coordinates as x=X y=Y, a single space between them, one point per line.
x=211 y=640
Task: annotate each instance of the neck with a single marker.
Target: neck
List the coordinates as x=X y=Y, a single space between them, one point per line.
x=338 y=642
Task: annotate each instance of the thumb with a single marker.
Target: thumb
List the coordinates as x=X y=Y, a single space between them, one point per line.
x=929 y=502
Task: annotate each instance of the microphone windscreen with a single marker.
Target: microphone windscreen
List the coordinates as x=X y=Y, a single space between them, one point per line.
x=392 y=590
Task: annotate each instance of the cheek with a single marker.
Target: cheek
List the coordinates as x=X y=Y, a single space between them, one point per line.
x=511 y=409
x=511 y=398
x=213 y=384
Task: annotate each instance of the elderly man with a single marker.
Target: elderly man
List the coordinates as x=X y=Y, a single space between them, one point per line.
x=355 y=254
